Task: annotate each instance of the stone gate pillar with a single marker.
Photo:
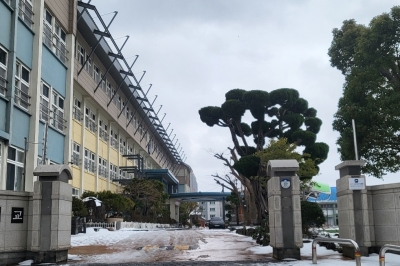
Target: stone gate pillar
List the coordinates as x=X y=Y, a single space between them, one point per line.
x=50 y=235
x=352 y=203
x=284 y=209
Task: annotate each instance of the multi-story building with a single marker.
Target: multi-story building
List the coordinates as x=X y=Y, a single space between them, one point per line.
x=187 y=179
x=328 y=204
x=211 y=209
x=69 y=96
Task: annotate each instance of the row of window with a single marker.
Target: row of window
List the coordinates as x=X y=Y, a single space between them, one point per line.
x=51 y=103
x=90 y=124
x=97 y=75
x=22 y=81
x=102 y=166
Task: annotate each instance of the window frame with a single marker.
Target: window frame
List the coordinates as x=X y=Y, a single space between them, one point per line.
x=50 y=117
x=90 y=161
x=55 y=37
x=90 y=120
x=22 y=98
x=17 y=180
x=76 y=153
x=3 y=80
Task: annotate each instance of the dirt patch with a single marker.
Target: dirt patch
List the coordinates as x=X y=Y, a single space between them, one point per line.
x=91 y=250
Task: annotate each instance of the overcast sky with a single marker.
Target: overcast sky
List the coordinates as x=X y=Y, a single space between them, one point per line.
x=195 y=51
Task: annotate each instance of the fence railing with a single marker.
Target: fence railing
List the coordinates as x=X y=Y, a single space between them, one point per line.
x=133 y=225
x=357 y=254
x=137 y=225
x=102 y=225
x=383 y=251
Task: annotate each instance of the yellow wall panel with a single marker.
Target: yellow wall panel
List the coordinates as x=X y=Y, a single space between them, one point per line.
x=89 y=182
x=113 y=187
x=113 y=157
x=76 y=177
x=76 y=132
x=90 y=140
x=103 y=149
x=102 y=184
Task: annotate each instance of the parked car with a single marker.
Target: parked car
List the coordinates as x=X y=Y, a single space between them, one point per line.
x=216 y=222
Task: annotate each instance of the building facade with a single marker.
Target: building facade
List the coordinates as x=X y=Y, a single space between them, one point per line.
x=187 y=179
x=328 y=204
x=69 y=96
x=211 y=209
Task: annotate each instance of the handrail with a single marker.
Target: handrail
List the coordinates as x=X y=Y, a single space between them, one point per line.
x=336 y=240
x=383 y=250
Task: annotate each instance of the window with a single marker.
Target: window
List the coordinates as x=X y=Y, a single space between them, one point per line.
x=44 y=102
x=103 y=83
x=122 y=174
x=122 y=146
x=58 y=112
x=113 y=171
x=127 y=113
x=114 y=100
x=59 y=41
x=54 y=36
x=88 y=66
x=212 y=202
x=130 y=150
x=81 y=54
x=75 y=192
x=102 y=167
x=212 y=209
x=90 y=120
x=89 y=161
x=53 y=115
x=25 y=12
x=109 y=89
x=103 y=130
x=77 y=110
x=114 y=139
x=96 y=73
x=119 y=102
x=22 y=80
x=212 y=215
x=3 y=71
x=75 y=153
x=15 y=168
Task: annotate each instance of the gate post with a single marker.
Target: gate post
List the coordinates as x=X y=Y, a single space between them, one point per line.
x=50 y=236
x=284 y=209
x=352 y=203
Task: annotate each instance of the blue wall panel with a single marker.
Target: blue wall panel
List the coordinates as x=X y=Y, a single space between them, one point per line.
x=24 y=44
x=3 y=105
x=55 y=144
x=20 y=128
x=5 y=22
x=53 y=71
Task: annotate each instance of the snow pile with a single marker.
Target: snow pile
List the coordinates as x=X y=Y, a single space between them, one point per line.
x=101 y=237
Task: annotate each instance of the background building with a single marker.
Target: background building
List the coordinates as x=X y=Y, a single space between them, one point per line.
x=328 y=204
x=211 y=209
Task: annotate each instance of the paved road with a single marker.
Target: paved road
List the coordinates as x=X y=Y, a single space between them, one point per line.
x=179 y=247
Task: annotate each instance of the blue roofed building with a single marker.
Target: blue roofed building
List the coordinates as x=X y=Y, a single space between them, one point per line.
x=328 y=204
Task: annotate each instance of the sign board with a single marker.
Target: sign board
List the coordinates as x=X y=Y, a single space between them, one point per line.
x=356 y=183
x=285 y=183
x=17 y=215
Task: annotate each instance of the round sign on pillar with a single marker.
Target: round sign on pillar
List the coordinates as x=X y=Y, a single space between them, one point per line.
x=285 y=183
